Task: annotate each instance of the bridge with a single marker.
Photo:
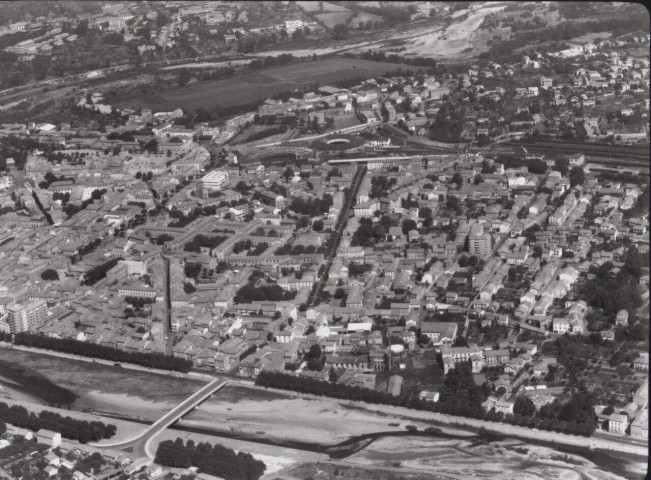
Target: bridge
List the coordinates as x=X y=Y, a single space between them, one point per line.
x=140 y=444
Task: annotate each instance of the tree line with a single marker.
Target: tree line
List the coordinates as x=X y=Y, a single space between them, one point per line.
x=86 y=349
x=70 y=428
x=211 y=459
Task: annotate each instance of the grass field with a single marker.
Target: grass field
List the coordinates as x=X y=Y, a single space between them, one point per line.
x=260 y=85
x=333 y=18
x=590 y=37
x=313 y=7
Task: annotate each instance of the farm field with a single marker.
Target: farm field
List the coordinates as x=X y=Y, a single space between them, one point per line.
x=260 y=85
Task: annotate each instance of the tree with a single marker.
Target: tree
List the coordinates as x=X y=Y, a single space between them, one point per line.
x=524 y=406
x=340 y=31
x=317 y=225
x=82 y=28
x=49 y=275
x=184 y=76
x=408 y=225
x=460 y=341
x=340 y=293
x=458 y=179
x=303 y=222
x=577 y=176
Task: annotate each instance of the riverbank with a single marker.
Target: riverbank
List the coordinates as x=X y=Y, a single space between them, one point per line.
x=54 y=381
x=496 y=427
x=4 y=346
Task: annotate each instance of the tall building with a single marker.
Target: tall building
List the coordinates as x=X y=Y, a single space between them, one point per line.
x=25 y=318
x=480 y=243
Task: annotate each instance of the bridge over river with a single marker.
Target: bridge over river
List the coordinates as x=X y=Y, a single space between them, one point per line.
x=140 y=444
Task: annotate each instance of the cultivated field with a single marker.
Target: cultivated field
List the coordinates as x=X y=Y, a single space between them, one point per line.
x=260 y=85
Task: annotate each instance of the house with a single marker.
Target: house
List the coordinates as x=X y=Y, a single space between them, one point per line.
x=640 y=426
x=496 y=357
x=622 y=318
x=617 y=423
x=49 y=438
x=51 y=471
x=429 y=396
x=439 y=333
x=453 y=355
x=641 y=363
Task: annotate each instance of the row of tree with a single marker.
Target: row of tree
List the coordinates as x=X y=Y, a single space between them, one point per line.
x=211 y=459
x=86 y=349
x=73 y=429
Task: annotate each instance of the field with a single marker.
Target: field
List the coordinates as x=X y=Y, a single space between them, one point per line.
x=590 y=37
x=331 y=19
x=312 y=7
x=260 y=85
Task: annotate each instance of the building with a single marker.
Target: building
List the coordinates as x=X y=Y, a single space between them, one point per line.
x=641 y=363
x=454 y=355
x=561 y=325
x=640 y=426
x=49 y=438
x=496 y=357
x=215 y=180
x=546 y=82
x=480 y=243
x=439 y=333
x=25 y=318
x=617 y=423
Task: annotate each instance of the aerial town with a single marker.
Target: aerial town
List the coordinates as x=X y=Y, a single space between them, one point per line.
x=277 y=286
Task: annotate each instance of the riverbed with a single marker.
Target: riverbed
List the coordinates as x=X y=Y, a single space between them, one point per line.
x=298 y=429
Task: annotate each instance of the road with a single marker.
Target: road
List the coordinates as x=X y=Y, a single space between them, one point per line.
x=169 y=337
x=339 y=230
x=140 y=446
